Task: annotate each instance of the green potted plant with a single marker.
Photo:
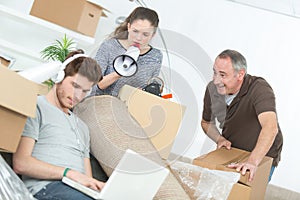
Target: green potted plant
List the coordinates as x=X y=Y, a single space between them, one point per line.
x=58 y=51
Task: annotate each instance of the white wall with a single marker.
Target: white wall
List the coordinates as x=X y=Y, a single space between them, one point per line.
x=271 y=44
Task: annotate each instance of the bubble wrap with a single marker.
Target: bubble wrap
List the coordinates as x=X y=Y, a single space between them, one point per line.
x=204 y=184
x=11 y=187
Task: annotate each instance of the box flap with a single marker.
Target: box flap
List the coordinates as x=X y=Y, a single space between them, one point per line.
x=17 y=93
x=239 y=191
x=97 y=3
x=225 y=157
x=160 y=118
x=220 y=158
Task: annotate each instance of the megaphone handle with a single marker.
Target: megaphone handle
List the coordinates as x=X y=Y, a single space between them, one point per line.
x=167 y=96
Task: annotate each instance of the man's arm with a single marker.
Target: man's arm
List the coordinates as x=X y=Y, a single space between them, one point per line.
x=211 y=130
x=91 y=182
x=25 y=164
x=268 y=122
x=88 y=167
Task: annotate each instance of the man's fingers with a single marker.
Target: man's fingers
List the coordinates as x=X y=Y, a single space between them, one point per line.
x=244 y=170
x=251 y=176
x=101 y=185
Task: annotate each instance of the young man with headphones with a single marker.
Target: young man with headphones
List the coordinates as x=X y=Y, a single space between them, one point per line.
x=56 y=143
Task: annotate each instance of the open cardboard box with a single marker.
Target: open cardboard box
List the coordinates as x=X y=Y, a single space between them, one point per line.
x=78 y=15
x=159 y=117
x=3 y=61
x=6 y=60
x=220 y=158
x=17 y=101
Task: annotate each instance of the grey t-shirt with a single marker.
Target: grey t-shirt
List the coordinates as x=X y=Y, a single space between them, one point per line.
x=149 y=65
x=61 y=140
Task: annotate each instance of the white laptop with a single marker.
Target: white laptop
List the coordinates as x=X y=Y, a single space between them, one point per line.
x=134 y=178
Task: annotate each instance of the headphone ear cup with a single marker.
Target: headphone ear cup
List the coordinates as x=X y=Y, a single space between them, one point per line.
x=60 y=76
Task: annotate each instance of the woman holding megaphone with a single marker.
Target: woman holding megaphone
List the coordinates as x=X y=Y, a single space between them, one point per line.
x=126 y=57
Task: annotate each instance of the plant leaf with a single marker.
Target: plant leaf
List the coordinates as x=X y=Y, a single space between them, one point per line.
x=59 y=49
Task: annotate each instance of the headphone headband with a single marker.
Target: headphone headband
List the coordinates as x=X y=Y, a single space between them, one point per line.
x=61 y=74
x=66 y=62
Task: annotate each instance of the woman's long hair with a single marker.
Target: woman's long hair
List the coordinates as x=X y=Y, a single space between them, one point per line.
x=142 y=13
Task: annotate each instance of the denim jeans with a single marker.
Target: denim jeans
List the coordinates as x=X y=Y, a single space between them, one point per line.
x=60 y=191
x=271 y=172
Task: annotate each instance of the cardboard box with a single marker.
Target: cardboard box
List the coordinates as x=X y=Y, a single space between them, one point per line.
x=17 y=101
x=4 y=61
x=78 y=15
x=220 y=158
x=160 y=118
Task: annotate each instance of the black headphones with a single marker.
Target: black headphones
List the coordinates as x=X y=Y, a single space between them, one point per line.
x=61 y=73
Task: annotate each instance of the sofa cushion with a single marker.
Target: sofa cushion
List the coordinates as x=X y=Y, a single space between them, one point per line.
x=113 y=130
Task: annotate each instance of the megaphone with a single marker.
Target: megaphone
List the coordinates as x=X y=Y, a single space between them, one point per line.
x=125 y=64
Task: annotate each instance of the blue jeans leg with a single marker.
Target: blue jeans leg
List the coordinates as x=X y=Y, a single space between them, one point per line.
x=57 y=190
x=271 y=172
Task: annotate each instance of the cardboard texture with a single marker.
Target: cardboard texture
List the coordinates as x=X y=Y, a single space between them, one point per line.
x=244 y=189
x=17 y=101
x=78 y=15
x=160 y=118
x=240 y=191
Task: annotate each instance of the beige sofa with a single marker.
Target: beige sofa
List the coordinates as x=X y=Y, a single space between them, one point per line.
x=113 y=130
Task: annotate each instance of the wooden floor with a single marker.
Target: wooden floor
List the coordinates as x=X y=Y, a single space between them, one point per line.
x=276 y=193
